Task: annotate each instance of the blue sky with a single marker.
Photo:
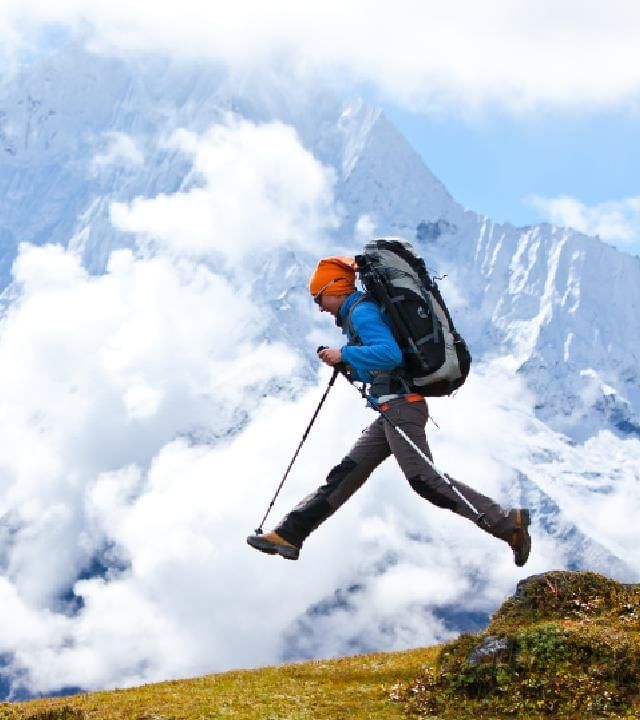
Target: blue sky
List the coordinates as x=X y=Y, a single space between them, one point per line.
x=495 y=163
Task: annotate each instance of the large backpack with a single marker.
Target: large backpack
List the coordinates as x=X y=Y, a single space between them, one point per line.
x=436 y=358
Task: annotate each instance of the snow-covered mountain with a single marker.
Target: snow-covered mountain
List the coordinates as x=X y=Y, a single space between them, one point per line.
x=550 y=315
x=563 y=304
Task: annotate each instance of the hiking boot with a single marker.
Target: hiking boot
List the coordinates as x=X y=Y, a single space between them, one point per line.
x=273 y=544
x=520 y=540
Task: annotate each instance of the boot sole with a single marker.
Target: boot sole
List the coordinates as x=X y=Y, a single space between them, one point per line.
x=525 y=521
x=265 y=546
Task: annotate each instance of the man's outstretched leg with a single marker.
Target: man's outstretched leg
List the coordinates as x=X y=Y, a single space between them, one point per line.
x=344 y=479
x=510 y=526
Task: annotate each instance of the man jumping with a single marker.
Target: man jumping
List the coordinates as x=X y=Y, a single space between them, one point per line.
x=372 y=356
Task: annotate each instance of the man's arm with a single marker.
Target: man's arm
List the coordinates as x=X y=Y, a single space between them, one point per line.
x=379 y=349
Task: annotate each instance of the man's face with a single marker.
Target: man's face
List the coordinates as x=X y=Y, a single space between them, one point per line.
x=330 y=303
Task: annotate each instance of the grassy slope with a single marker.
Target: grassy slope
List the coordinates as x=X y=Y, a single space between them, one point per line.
x=351 y=688
x=566 y=645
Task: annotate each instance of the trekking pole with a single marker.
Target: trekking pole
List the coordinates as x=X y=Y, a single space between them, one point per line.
x=403 y=434
x=295 y=455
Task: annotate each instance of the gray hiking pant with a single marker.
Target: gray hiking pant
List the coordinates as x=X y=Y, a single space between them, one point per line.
x=375 y=444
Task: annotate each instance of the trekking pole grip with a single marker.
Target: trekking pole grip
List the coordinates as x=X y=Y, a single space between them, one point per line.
x=338 y=368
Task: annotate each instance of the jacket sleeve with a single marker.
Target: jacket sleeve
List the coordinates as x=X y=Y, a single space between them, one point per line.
x=379 y=350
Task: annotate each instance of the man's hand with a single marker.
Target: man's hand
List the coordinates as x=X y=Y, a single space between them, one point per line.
x=330 y=356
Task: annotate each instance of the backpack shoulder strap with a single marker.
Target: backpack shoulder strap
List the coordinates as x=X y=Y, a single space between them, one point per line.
x=394 y=376
x=349 y=322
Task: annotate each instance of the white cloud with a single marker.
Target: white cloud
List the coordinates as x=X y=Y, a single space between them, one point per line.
x=104 y=371
x=120 y=386
x=121 y=149
x=257 y=189
x=140 y=431
x=365 y=229
x=617 y=222
x=84 y=467
x=107 y=373
x=427 y=55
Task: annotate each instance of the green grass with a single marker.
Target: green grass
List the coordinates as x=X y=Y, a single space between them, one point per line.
x=352 y=688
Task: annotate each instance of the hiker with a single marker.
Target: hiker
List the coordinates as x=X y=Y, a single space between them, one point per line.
x=373 y=356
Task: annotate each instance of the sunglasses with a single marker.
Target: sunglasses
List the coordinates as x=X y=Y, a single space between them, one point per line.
x=317 y=298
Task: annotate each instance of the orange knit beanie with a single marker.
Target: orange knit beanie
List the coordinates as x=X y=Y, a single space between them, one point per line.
x=334 y=276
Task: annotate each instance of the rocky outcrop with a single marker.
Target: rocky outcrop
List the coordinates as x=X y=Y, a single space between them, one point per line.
x=565 y=645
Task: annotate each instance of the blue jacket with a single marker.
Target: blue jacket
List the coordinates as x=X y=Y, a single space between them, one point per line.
x=379 y=351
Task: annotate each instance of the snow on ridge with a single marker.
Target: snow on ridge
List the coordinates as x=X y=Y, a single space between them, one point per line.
x=535 y=293
x=561 y=303
x=59 y=118
x=392 y=184
x=355 y=122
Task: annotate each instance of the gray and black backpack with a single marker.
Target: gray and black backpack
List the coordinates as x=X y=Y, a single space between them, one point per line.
x=436 y=358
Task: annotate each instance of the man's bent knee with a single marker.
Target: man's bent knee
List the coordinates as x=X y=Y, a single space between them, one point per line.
x=430 y=493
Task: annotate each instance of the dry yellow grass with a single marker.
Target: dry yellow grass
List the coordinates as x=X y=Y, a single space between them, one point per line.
x=353 y=688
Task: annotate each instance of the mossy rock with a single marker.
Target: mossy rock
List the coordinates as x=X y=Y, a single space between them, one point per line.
x=566 y=645
x=563 y=596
